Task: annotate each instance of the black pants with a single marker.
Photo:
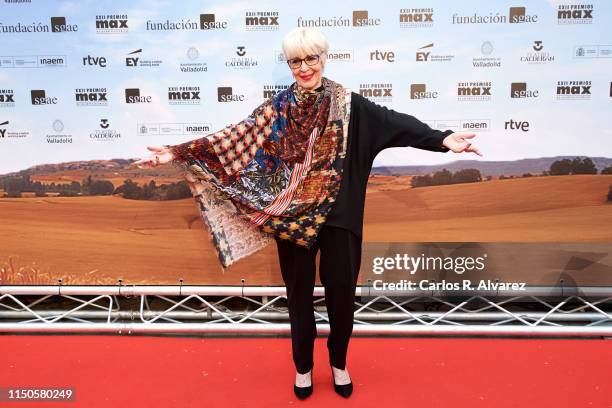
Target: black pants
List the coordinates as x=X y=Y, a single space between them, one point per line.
x=339 y=263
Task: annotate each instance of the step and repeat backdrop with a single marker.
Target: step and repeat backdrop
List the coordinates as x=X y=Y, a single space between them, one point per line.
x=85 y=86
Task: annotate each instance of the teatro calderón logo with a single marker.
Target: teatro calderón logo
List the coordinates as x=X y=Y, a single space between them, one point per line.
x=104 y=132
x=516 y=15
x=377 y=92
x=112 y=24
x=261 y=20
x=416 y=17
x=537 y=54
x=240 y=59
x=577 y=13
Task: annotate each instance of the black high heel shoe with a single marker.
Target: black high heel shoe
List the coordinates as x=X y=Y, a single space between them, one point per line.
x=344 y=390
x=303 y=392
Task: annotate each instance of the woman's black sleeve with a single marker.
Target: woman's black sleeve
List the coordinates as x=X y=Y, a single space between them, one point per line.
x=388 y=128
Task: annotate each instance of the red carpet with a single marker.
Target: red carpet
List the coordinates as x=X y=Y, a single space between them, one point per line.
x=109 y=371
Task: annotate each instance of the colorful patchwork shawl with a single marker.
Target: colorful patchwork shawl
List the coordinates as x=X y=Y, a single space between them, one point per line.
x=276 y=173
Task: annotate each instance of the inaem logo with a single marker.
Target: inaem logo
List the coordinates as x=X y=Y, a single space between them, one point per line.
x=133 y=61
x=519 y=90
x=517 y=125
x=104 y=123
x=132 y=95
x=39 y=97
x=225 y=94
x=3 y=131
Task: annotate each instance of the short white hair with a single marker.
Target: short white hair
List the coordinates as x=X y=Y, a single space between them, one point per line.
x=304 y=41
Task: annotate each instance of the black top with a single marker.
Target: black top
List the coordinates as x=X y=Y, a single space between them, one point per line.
x=373 y=128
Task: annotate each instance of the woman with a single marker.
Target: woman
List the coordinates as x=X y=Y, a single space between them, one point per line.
x=297 y=169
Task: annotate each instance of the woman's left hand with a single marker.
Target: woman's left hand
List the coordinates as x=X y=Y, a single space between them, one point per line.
x=457 y=143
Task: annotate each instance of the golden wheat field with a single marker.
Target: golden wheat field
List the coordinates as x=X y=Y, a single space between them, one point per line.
x=96 y=240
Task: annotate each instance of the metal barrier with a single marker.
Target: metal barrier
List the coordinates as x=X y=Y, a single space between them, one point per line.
x=543 y=311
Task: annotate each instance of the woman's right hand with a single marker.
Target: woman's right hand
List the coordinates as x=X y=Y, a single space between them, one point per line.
x=161 y=155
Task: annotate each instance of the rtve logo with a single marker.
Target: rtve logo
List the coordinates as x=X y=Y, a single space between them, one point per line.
x=516 y=125
x=94 y=61
x=388 y=56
